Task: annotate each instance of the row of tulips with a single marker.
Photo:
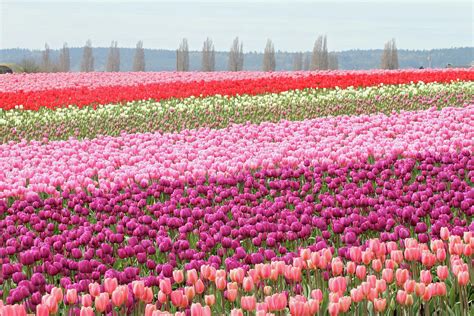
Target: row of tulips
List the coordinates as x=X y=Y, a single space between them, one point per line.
x=148 y=230
x=109 y=162
x=92 y=80
x=376 y=278
x=32 y=92
x=218 y=111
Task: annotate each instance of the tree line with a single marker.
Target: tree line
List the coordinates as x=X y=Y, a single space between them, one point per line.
x=319 y=59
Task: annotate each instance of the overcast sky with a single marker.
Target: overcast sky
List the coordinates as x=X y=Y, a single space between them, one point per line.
x=292 y=25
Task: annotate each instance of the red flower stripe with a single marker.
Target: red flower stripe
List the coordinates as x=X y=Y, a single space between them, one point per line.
x=90 y=95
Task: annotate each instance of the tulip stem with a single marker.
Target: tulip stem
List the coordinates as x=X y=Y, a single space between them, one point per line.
x=426 y=309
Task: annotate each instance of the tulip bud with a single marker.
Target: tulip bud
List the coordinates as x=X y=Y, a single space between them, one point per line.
x=209 y=299
x=165 y=286
x=247 y=284
x=317 y=295
x=401 y=297
x=86 y=311
x=361 y=272
x=221 y=283
x=86 y=300
x=444 y=233
x=267 y=290
x=71 y=296
x=138 y=289
x=380 y=304
x=149 y=309
x=178 y=276
x=248 y=303
x=148 y=295
x=110 y=284
x=191 y=277
x=351 y=267
x=94 y=289
x=101 y=302
x=463 y=278
x=236 y=312
x=199 y=286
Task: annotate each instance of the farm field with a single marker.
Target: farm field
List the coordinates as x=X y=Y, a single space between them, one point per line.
x=237 y=193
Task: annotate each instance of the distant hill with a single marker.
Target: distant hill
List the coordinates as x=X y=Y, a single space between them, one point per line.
x=159 y=59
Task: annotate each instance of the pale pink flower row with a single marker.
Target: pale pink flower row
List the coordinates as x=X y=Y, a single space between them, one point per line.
x=74 y=164
x=47 y=81
x=91 y=80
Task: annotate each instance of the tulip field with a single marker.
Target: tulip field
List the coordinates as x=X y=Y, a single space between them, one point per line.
x=237 y=193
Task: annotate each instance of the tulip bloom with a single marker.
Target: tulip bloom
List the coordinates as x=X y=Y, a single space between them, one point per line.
x=138 y=289
x=119 y=296
x=165 y=286
x=149 y=309
x=71 y=296
x=86 y=300
x=209 y=299
x=248 y=284
x=42 y=310
x=101 y=302
x=248 y=303
x=86 y=311
x=463 y=278
x=380 y=304
x=94 y=289
x=110 y=284
x=178 y=276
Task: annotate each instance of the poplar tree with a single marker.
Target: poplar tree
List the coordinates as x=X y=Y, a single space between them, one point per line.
x=319 y=60
x=113 y=59
x=87 y=63
x=208 y=56
x=236 y=56
x=64 y=59
x=182 y=56
x=139 y=58
x=389 y=58
x=46 y=64
x=269 y=63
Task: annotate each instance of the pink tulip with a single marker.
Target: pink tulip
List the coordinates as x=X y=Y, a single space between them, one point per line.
x=248 y=303
x=138 y=289
x=165 y=286
x=380 y=305
x=101 y=302
x=42 y=310
x=149 y=309
x=86 y=311
x=191 y=277
x=71 y=296
x=178 y=276
x=94 y=289
x=86 y=300
x=110 y=284
x=236 y=312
